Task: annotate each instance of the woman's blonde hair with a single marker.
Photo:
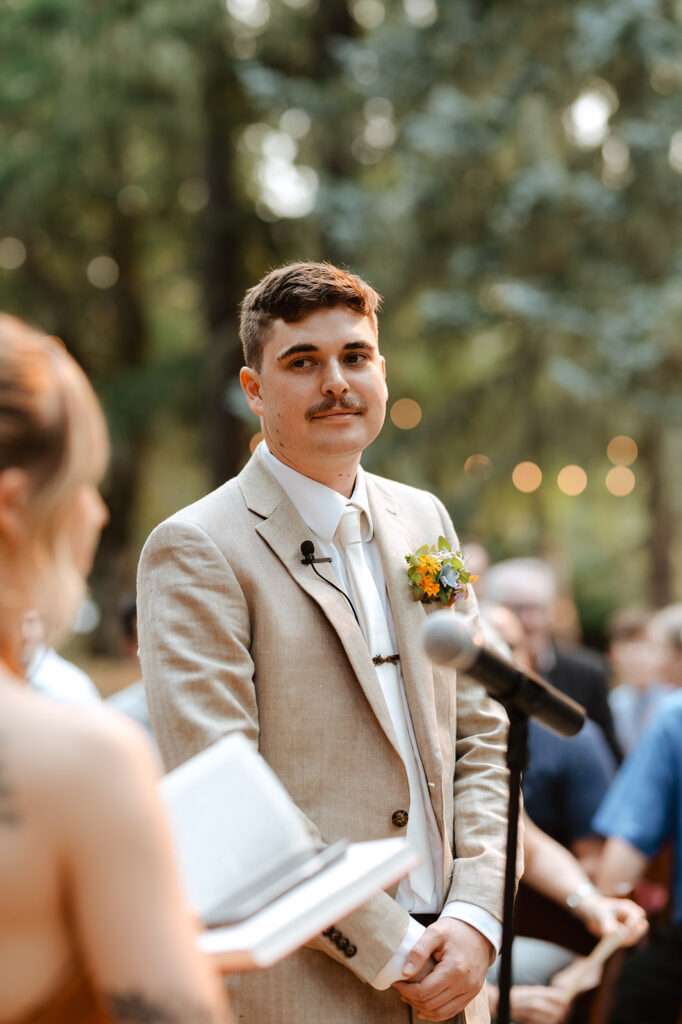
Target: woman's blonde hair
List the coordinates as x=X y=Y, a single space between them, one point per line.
x=51 y=427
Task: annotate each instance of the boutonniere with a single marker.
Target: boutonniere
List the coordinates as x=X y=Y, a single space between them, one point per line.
x=437 y=573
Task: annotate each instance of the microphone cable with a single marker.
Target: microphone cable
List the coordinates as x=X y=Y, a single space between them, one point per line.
x=308 y=552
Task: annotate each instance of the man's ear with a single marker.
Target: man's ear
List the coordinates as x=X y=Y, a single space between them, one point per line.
x=14 y=501
x=383 y=371
x=250 y=382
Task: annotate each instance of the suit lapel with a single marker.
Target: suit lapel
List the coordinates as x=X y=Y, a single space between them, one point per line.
x=427 y=707
x=283 y=531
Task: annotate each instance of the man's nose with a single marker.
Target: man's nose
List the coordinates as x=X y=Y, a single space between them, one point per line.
x=334 y=381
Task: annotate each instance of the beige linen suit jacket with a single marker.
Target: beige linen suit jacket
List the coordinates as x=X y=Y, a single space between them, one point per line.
x=237 y=634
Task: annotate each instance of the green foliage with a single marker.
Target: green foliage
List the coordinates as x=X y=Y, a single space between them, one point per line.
x=507 y=175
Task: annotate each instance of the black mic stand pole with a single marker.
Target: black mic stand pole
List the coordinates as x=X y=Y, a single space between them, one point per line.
x=524 y=695
x=517 y=756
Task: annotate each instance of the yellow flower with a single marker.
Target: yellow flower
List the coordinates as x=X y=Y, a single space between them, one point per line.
x=430 y=588
x=428 y=564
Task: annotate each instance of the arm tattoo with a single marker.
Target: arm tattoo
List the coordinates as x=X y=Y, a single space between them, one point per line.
x=134 y=1008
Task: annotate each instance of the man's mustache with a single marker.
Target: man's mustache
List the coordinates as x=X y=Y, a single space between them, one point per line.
x=344 y=402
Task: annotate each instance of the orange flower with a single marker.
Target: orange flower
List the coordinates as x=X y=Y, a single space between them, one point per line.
x=431 y=588
x=428 y=564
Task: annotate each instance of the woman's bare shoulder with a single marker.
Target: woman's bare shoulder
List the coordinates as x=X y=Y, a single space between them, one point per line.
x=57 y=750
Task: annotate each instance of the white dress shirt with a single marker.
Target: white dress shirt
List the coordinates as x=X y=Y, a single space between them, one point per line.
x=321 y=509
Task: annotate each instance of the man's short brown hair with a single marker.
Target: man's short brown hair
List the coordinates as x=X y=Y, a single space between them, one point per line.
x=292 y=293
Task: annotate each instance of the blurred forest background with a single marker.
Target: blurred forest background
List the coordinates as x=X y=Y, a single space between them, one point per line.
x=507 y=174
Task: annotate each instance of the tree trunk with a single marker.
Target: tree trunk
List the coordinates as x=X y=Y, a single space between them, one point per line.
x=115 y=566
x=225 y=236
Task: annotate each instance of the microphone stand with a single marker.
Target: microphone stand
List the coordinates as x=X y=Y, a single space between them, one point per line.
x=449 y=640
x=517 y=757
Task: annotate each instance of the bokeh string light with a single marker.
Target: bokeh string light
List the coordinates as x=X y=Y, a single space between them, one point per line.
x=406 y=414
x=622 y=450
x=572 y=480
x=478 y=467
x=620 y=481
x=527 y=477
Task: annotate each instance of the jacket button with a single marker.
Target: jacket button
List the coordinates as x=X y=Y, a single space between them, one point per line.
x=399 y=818
x=350 y=951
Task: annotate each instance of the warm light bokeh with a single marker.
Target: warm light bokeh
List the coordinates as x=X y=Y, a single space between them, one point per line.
x=478 y=467
x=622 y=450
x=620 y=481
x=255 y=441
x=572 y=480
x=406 y=413
x=527 y=477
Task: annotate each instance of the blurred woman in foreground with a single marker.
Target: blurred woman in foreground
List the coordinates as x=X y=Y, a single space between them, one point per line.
x=92 y=923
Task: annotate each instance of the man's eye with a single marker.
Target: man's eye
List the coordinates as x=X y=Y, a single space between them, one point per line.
x=356 y=357
x=298 y=364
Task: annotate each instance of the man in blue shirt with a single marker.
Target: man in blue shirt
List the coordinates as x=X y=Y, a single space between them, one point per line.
x=564 y=784
x=641 y=812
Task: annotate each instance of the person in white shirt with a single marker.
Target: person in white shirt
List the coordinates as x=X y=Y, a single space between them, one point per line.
x=48 y=672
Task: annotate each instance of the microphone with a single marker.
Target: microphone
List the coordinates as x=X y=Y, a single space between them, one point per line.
x=308 y=552
x=450 y=639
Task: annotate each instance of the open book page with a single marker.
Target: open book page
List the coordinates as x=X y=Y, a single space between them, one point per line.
x=232 y=821
x=301 y=913
x=236 y=829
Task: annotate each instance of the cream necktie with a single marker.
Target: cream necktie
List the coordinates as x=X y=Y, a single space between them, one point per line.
x=374 y=626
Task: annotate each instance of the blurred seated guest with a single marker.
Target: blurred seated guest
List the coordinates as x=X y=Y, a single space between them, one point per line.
x=47 y=671
x=528 y=587
x=93 y=928
x=566 y=777
x=132 y=699
x=665 y=630
x=543 y=972
x=564 y=782
x=641 y=812
x=637 y=672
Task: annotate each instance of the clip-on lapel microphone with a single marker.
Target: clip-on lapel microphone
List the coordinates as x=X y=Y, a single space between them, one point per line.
x=308 y=552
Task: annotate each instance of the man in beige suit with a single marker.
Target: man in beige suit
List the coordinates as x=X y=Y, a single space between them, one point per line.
x=238 y=632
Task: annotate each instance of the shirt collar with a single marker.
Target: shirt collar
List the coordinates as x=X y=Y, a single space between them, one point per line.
x=320 y=507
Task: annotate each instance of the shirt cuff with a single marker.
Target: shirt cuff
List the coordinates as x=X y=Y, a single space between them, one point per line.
x=393 y=970
x=478 y=918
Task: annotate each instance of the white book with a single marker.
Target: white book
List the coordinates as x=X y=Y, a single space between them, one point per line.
x=250 y=865
x=313 y=905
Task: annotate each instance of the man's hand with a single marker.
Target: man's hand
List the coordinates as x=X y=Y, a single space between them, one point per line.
x=604 y=914
x=532 y=1004
x=538 y=1004
x=460 y=956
